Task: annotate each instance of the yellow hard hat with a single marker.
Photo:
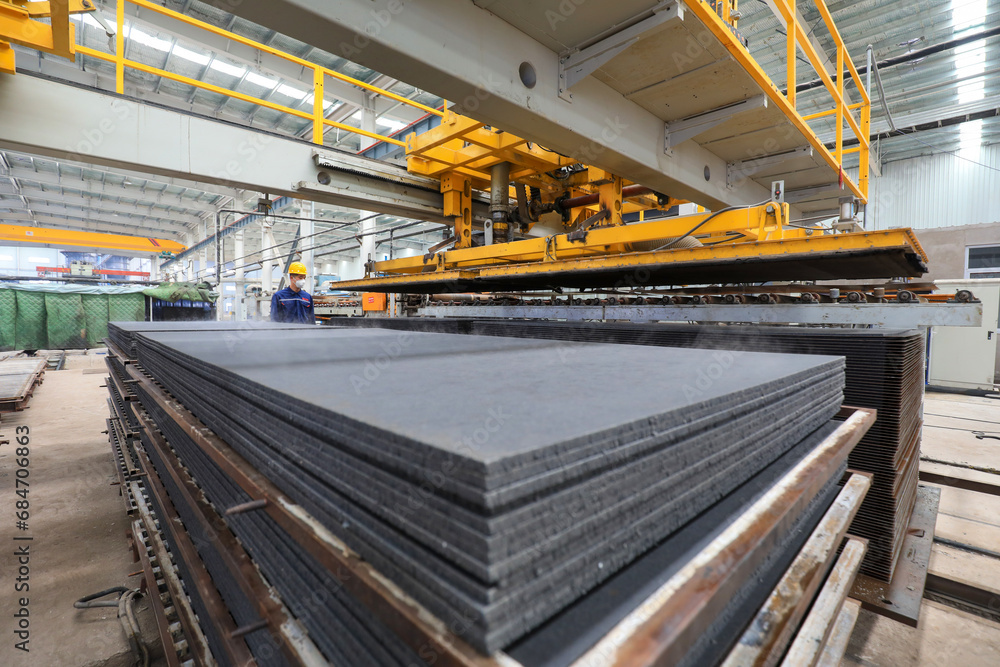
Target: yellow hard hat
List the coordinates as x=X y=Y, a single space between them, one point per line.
x=297 y=268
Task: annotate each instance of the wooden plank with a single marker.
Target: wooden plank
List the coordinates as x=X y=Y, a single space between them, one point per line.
x=970 y=505
x=959 y=482
x=966 y=567
x=968 y=531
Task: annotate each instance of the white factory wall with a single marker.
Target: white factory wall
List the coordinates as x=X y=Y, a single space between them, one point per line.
x=25 y=260
x=940 y=190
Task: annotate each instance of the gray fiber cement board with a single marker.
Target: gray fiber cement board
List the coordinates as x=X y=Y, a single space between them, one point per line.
x=348 y=441
x=465 y=537
x=537 y=533
x=523 y=602
x=568 y=635
x=615 y=448
x=438 y=387
x=526 y=613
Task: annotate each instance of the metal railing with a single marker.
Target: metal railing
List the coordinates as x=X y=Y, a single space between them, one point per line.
x=796 y=38
x=320 y=73
x=717 y=18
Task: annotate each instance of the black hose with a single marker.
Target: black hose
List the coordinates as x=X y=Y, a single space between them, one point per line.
x=126 y=616
x=691 y=231
x=88 y=601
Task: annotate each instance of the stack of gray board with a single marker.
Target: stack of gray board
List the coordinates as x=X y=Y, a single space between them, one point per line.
x=494 y=480
x=122 y=334
x=884 y=371
x=557 y=643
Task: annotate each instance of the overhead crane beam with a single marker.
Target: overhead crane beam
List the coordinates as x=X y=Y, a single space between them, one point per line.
x=82 y=221
x=65 y=237
x=48 y=118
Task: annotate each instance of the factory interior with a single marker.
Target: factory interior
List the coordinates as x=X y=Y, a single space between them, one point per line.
x=499 y=333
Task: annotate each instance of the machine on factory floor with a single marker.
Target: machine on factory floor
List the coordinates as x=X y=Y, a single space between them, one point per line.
x=572 y=227
x=557 y=222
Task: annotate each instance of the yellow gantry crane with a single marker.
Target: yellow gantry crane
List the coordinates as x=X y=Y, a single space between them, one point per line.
x=590 y=244
x=571 y=224
x=68 y=237
x=19 y=24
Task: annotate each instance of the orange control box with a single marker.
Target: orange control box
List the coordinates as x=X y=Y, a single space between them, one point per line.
x=373 y=301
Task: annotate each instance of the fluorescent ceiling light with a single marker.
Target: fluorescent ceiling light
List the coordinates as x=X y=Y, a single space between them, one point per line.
x=288 y=91
x=188 y=54
x=262 y=81
x=146 y=39
x=226 y=68
x=6 y=258
x=970 y=139
x=40 y=260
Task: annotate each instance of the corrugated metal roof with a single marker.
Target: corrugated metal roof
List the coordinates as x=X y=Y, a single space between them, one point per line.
x=937 y=86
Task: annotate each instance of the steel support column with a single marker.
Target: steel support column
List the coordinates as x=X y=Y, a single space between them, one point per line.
x=238 y=262
x=306 y=229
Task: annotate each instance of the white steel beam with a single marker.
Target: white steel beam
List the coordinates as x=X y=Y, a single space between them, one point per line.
x=466 y=54
x=48 y=118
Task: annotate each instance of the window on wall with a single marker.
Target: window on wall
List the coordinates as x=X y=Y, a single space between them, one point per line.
x=982 y=261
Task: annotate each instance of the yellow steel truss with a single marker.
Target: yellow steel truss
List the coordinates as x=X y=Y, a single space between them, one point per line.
x=317 y=114
x=19 y=25
x=758 y=223
x=462 y=151
x=797 y=38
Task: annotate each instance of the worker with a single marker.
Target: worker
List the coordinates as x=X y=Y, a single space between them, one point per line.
x=293 y=304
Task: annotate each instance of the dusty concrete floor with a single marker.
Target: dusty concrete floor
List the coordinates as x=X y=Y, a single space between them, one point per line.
x=78 y=523
x=946 y=636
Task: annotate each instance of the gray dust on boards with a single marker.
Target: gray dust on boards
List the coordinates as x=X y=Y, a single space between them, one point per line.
x=494 y=480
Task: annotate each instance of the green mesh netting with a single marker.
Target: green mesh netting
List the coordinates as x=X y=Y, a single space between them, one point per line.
x=187 y=291
x=126 y=307
x=29 y=323
x=8 y=314
x=64 y=321
x=95 y=314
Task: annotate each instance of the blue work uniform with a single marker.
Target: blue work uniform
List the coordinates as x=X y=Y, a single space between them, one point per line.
x=293 y=307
